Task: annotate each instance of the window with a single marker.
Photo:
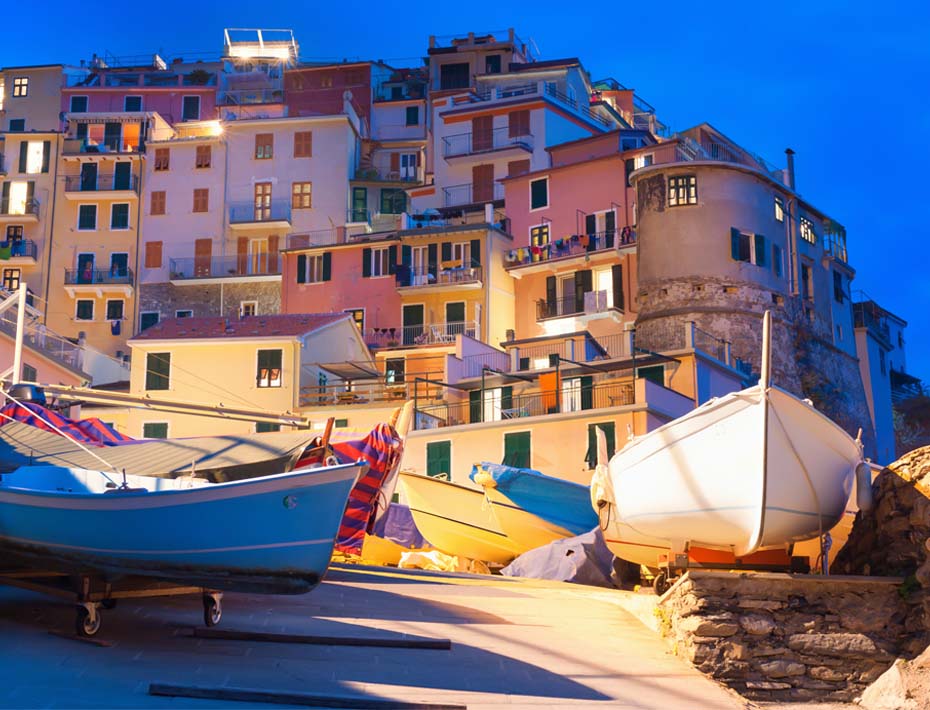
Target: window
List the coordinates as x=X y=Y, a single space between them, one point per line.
x=20 y=86
x=517 y=449
x=454 y=76
x=84 y=309
x=839 y=292
x=162 y=156
x=609 y=430
x=380 y=264
x=492 y=64
x=201 y=199
x=157 y=371
x=30 y=374
x=779 y=209
x=11 y=279
x=190 y=108
x=314 y=268
x=682 y=190
x=303 y=144
x=186 y=313
x=87 y=217
x=155 y=430
x=147 y=319
x=119 y=215
x=302 y=195
x=439 y=460
x=394 y=371
x=269 y=368
x=539 y=193
x=747 y=247
x=264 y=146
x=393 y=201
x=266 y=427
x=34 y=157
x=157 y=203
x=17 y=125
x=807 y=231
x=14 y=233
x=778 y=266
x=132 y=103
x=153 y=255
x=807 y=290
x=413 y=116
x=204 y=155
x=115 y=309
x=358 y=316
x=248 y=308
x=326 y=81
x=78 y=104
x=518 y=123
x=539 y=235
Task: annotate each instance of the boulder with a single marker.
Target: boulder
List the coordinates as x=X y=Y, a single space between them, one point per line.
x=904 y=686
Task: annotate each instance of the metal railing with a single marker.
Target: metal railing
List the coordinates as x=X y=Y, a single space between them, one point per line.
x=593 y=302
x=868 y=314
x=688 y=149
x=599 y=396
x=412 y=278
x=616 y=344
x=38 y=337
x=553 y=92
x=483 y=142
x=575 y=245
x=467 y=194
x=224 y=267
x=431 y=334
x=246 y=212
x=21 y=247
x=492 y=93
x=101 y=183
x=709 y=343
x=113 y=144
x=473 y=365
x=249 y=97
x=9 y=206
x=76 y=277
x=385 y=174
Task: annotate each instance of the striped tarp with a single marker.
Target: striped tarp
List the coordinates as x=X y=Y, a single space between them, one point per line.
x=86 y=431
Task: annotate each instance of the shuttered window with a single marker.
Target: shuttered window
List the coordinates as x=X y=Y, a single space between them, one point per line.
x=157 y=203
x=201 y=199
x=539 y=194
x=162 y=158
x=204 y=156
x=157 y=371
x=153 y=255
x=517 y=451
x=303 y=144
x=269 y=368
x=439 y=459
x=264 y=146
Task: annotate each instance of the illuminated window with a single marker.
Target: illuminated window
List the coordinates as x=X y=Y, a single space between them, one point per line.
x=358 y=315
x=203 y=156
x=682 y=190
x=269 y=368
x=779 y=209
x=264 y=146
x=20 y=86
x=539 y=235
x=807 y=231
x=301 y=195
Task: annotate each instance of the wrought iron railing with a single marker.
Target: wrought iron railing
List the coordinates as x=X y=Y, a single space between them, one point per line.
x=412 y=278
x=224 y=267
x=100 y=183
x=77 y=277
x=468 y=193
x=431 y=334
x=253 y=211
x=483 y=142
x=21 y=247
x=10 y=206
x=572 y=246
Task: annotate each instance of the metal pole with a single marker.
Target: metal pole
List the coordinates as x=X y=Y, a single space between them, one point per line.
x=481 y=405
x=20 y=326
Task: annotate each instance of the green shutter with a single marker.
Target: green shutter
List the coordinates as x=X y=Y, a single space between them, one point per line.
x=760 y=250
x=609 y=429
x=392 y=259
x=524 y=363
x=366 y=263
x=447 y=251
x=431 y=261
x=517 y=450
x=553 y=359
x=474 y=406
x=23 y=147
x=617 y=277
x=551 y=306
x=507 y=397
x=583 y=285
x=301 y=268
x=327 y=266
x=734 y=243
x=587 y=392
x=157 y=371
x=476 y=252
x=46 y=155
x=406 y=255
x=439 y=459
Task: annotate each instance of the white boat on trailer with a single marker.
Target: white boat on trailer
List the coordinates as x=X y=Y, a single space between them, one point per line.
x=751 y=471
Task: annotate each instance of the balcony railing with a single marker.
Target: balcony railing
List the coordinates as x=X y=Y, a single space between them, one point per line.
x=224 y=267
x=11 y=206
x=436 y=333
x=687 y=149
x=249 y=212
x=411 y=278
x=114 y=144
x=250 y=97
x=38 y=337
x=553 y=92
x=78 y=277
x=385 y=174
x=593 y=302
x=473 y=365
x=599 y=396
x=572 y=246
x=469 y=194
x=79 y=183
x=20 y=248
x=474 y=143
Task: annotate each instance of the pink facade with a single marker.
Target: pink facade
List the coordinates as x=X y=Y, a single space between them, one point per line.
x=318 y=91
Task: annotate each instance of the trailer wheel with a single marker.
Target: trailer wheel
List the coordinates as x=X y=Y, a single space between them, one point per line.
x=88 y=621
x=212 y=609
x=660 y=583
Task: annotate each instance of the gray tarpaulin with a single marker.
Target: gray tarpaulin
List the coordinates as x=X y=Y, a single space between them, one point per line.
x=217 y=458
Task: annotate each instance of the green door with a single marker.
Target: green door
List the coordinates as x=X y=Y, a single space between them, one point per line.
x=439 y=459
x=359 y=211
x=412 y=316
x=517 y=449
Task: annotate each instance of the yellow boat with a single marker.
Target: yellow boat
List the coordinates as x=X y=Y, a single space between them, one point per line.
x=456 y=519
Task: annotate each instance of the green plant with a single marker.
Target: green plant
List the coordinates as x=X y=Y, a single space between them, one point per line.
x=908 y=586
x=199 y=77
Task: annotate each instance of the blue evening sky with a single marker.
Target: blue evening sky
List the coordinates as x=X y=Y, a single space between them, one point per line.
x=845 y=84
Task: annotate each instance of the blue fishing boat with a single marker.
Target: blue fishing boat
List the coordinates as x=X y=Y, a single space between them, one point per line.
x=273 y=534
x=534 y=509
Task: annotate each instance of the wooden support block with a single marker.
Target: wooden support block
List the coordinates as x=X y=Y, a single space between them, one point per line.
x=249 y=695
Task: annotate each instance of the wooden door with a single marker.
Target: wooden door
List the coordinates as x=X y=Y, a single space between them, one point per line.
x=482 y=181
x=203 y=252
x=482 y=135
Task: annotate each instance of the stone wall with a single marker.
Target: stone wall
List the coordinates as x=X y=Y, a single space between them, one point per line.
x=216 y=299
x=786 y=637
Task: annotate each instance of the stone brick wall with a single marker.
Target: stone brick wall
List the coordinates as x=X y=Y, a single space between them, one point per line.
x=786 y=637
x=210 y=300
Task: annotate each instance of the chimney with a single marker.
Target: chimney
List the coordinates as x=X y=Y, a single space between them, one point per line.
x=790 y=169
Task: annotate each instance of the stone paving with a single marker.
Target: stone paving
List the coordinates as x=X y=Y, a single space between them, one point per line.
x=515 y=644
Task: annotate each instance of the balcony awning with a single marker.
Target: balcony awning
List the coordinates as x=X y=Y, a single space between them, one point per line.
x=352 y=371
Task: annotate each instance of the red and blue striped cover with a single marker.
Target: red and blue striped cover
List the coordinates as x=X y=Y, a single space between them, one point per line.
x=87 y=431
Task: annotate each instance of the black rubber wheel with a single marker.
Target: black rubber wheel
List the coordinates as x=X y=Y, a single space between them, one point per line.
x=108 y=604
x=212 y=611
x=83 y=624
x=660 y=583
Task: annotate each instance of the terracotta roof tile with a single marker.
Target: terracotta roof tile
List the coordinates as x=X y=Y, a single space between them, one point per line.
x=249 y=326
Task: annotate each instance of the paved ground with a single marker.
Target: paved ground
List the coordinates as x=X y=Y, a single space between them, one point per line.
x=516 y=644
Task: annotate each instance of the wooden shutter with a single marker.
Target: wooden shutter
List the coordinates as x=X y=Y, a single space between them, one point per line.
x=446 y=248
x=301 y=268
x=482 y=133
x=273 y=242
x=518 y=167
x=23 y=147
x=366 y=263
x=482 y=178
x=46 y=155
x=734 y=243
x=327 y=266
x=617 y=276
x=395 y=163
x=583 y=283
x=760 y=250
x=153 y=255
x=519 y=123
x=203 y=249
x=475 y=252
x=551 y=305
x=242 y=255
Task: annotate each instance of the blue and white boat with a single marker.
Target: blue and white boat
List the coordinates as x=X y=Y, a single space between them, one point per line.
x=272 y=534
x=534 y=509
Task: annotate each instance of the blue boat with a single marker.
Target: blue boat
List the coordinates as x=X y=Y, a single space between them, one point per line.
x=272 y=534
x=534 y=509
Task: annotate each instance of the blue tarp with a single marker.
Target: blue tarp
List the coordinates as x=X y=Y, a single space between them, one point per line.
x=397 y=525
x=584 y=559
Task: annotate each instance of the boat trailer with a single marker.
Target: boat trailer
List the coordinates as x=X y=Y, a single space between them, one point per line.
x=92 y=593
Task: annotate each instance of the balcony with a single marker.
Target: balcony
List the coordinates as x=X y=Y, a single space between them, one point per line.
x=459 y=278
x=250 y=97
x=98 y=281
x=412 y=335
x=578 y=245
x=469 y=194
x=499 y=139
x=108 y=145
x=19 y=210
x=113 y=186
x=385 y=174
x=593 y=304
x=275 y=214
x=685 y=148
x=22 y=251
x=244 y=268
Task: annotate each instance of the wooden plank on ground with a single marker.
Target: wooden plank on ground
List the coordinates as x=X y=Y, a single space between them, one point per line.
x=402 y=641
x=251 y=695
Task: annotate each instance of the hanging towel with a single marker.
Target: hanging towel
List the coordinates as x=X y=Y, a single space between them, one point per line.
x=115 y=327
x=549 y=386
x=584 y=239
x=5 y=253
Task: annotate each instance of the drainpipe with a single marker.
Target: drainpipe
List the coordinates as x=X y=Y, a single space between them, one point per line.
x=224 y=215
x=792 y=226
x=138 y=286
x=51 y=226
